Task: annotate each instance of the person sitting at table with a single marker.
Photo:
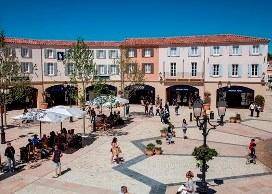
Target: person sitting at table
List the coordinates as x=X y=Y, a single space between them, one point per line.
x=44 y=141
x=36 y=141
x=30 y=150
x=52 y=139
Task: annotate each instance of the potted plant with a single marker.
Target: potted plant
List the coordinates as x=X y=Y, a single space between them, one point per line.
x=164 y=132
x=158 y=150
x=44 y=104
x=238 y=118
x=158 y=141
x=149 y=150
x=259 y=100
x=207 y=101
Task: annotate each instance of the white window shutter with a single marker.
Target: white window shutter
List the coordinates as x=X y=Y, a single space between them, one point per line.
x=220 y=50
x=230 y=50
x=240 y=70
x=178 y=52
x=211 y=70
x=211 y=50
x=240 y=50
x=260 y=49
x=168 y=52
x=230 y=70
x=249 y=70
x=55 y=69
x=260 y=71
x=54 y=53
x=198 y=51
x=221 y=70
x=250 y=50
x=189 y=51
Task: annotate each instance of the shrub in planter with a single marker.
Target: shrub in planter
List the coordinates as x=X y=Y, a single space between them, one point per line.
x=149 y=150
x=259 y=100
x=158 y=150
x=158 y=141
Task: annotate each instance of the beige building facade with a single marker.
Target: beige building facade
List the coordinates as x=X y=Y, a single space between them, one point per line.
x=174 y=68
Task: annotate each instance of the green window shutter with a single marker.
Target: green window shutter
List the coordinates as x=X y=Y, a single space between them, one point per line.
x=31 y=67
x=45 y=53
x=45 y=69
x=30 y=53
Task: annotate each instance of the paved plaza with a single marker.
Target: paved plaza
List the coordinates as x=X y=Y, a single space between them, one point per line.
x=89 y=169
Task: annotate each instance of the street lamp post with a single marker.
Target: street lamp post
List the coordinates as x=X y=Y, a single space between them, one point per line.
x=204 y=124
x=4 y=92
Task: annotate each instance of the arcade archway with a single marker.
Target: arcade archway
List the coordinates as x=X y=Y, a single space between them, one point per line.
x=139 y=93
x=27 y=98
x=61 y=95
x=236 y=96
x=109 y=89
x=181 y=94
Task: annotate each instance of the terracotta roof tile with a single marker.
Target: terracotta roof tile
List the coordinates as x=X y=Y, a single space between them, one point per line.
x=59 y=42
x=193 y=40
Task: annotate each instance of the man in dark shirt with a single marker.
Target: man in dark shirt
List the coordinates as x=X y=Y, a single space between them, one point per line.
x=93 y=115
x=56 y=159
x=9 y=153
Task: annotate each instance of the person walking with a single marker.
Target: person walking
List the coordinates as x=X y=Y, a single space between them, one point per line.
x=166 y=107
x=9 y=153
x=151 y=113
x=93 y=115
x=115 y=150
x=124 y=190
x=189 y=186
x=146 y=108
x=251 y=108
x=56 y=159
x=176 y=109
x=258 y=109
x=184 y=128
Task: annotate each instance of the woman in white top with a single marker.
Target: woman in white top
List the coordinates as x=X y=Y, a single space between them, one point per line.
x=189 y=186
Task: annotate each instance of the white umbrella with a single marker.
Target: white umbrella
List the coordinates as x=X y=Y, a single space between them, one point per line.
x=121 y=101
x=42 y=116
x=68 y=111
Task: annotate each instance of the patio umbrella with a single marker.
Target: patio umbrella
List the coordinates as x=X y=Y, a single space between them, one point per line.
x=42 y=116
x=68 y=111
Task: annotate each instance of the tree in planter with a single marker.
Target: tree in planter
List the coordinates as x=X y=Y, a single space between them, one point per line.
x=81 y=58
x=130 y=74
x=11 y=76
x=101 y=90
x=203 y=154
x=260 y=100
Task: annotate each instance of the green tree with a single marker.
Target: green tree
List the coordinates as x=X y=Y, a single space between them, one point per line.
x=130 y=74
x=11 y=77
x=83 y=68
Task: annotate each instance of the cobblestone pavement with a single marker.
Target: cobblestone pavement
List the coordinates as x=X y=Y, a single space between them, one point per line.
x=89 y=169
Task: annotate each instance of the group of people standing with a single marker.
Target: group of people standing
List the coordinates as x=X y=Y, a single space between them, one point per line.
x=255 y=107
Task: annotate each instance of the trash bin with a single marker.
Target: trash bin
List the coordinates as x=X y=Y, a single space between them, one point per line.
x=23 y=154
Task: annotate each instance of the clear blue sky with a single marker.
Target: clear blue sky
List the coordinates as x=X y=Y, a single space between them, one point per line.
x=118 y=19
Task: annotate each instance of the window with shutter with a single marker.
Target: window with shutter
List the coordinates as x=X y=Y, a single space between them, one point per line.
x=173 y=71
x=194 y=68
x=50 y=69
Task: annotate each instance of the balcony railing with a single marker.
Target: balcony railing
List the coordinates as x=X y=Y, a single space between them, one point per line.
x=183 y=75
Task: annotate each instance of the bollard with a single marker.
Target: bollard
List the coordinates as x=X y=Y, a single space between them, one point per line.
x=211 y=115
x=191 y=116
